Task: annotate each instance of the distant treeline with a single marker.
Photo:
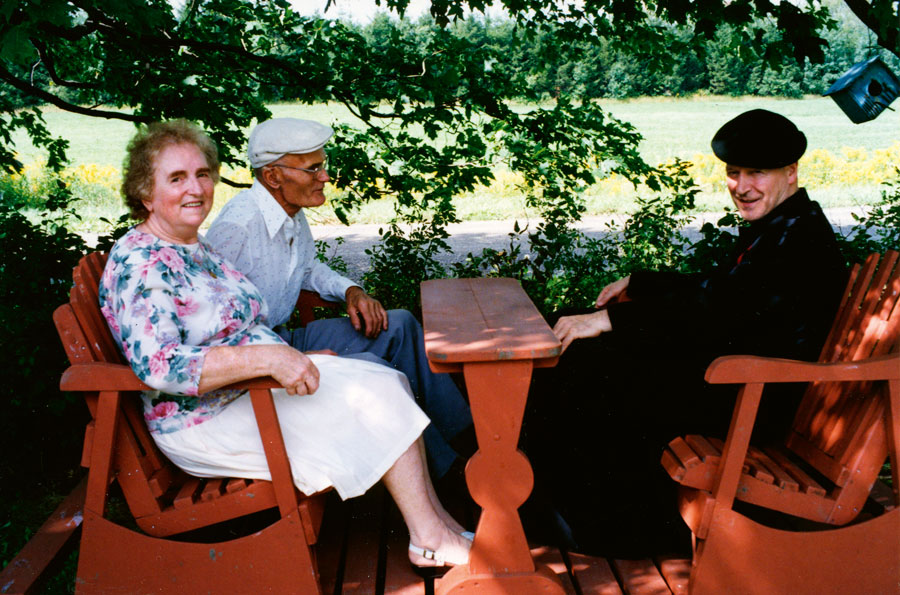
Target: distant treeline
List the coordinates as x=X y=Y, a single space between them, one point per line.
x=548 y=66
x=544 y=65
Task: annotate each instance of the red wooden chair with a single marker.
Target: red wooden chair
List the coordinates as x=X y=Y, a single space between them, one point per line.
x=826 y=473
x=307 y=302
x=164 y=500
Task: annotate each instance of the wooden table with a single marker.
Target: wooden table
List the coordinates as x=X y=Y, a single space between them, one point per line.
x=489 y=330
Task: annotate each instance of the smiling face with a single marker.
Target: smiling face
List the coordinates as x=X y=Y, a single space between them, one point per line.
x=182 y=194
x=756 y=192
x=293 y=188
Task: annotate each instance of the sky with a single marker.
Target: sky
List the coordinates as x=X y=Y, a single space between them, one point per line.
x=360 y=11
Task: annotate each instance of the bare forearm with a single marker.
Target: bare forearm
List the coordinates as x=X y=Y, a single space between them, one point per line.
x=292 y=369
x=225 y=365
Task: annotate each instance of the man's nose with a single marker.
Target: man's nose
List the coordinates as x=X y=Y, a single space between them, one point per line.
x=741 y=184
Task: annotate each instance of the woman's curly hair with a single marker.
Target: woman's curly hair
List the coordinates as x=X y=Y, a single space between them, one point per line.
x=137 y=185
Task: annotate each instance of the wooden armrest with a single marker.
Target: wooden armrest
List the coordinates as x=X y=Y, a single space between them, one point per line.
x=100 y=376
x=114 y=379
x=743 y=369
x=103 y=376
x=754 y=372
x=314 y=300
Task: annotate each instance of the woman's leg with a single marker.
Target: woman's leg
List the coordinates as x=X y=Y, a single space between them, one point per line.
x=407 y=481
x=435 y=501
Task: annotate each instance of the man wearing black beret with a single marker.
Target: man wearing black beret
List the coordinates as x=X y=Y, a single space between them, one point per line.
x=631 y=376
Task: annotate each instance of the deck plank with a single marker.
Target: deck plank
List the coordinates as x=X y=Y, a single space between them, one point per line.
x=330 y=545
x=374 y=558
x=594 y=575
x=553 y=558
x=366 y=518
x=399 y=577
x=641 y=577
x=676 y=572
x=24 y=572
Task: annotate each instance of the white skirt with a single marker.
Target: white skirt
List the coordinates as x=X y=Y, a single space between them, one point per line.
x=346 y=435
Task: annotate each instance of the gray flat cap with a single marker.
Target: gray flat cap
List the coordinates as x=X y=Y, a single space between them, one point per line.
x=277 y=137
x=759 y=138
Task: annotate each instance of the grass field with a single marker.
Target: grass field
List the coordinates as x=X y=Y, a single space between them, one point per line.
x=844 y=167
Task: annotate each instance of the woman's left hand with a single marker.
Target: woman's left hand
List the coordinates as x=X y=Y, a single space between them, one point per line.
x=581 y=326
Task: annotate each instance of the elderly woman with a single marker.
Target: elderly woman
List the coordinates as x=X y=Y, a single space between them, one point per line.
x=189 y=324
x=631 y=377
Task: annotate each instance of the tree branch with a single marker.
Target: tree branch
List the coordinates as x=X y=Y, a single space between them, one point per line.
x=865 y=12
x=232 y=183
x=7 y=76
x=189 y=10
x=117 y=31
x=74 y=33
x=50 y=65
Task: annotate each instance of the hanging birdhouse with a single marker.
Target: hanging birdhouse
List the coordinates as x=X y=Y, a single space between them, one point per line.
x=865 y=90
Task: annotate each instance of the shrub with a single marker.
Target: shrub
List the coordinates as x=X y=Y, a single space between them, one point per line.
x=401 y=261
x=562 y=267
x=878 y=229
x=42 y=426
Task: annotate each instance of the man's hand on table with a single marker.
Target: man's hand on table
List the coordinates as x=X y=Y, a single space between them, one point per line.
x=581 y=326
x=366 y=313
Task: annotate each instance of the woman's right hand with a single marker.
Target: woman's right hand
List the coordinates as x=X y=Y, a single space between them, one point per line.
x=294 y=370
x=612 y=291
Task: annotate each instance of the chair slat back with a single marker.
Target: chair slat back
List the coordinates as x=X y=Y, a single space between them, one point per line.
x=840 y=427
x=85 y=301
x=143 y=473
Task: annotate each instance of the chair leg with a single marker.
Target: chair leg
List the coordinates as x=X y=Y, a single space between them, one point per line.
x=276 y=559
x=742 y=556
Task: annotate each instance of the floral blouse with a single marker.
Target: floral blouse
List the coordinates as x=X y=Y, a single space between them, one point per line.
x=167 y=305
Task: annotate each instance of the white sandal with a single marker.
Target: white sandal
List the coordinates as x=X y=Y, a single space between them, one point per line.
x=439 y=558
x=428 y=555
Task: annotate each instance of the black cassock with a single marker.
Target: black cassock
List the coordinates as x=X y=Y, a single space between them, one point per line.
x=597 y=423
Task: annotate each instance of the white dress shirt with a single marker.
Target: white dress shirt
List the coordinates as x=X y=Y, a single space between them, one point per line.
x=276 y=252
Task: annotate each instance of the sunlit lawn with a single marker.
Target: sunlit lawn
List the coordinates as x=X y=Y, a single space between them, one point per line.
x=672 y=128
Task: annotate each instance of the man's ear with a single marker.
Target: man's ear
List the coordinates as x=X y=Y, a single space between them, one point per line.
x=792 y=172
x=270 y=176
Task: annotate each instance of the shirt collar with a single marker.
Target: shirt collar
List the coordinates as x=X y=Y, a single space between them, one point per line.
x=272 y=212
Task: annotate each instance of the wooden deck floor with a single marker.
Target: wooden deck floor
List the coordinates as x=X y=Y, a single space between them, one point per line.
x=362 y=550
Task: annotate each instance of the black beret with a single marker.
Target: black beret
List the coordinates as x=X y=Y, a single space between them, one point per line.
x=760 y=139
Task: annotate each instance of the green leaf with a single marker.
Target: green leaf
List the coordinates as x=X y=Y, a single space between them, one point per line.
x=15 y=46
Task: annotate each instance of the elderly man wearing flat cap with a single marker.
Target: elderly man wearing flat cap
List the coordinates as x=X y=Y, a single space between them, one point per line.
x=631 y=376
x=264 y=233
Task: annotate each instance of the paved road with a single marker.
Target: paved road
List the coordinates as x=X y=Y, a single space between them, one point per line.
x=474 y=236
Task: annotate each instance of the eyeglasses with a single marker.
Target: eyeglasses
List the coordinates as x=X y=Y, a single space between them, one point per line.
x=314 y=171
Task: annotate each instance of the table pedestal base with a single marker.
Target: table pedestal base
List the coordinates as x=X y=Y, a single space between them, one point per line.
x=459 y=581
x=490 y=331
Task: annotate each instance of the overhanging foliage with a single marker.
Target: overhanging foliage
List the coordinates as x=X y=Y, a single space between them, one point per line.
x=217 y=61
